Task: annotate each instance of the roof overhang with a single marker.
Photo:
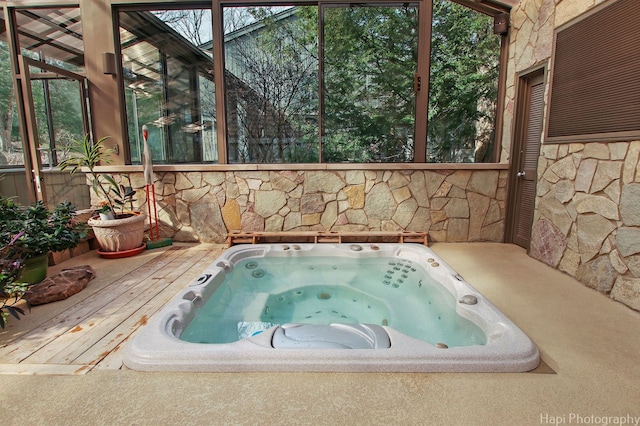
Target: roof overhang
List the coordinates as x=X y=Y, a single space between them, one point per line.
x=508 y=3
x=490 y=7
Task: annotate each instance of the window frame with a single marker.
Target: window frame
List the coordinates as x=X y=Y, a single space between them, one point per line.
x=421 y=74
x=423 y=66
x=487 y=7
x=193 y=74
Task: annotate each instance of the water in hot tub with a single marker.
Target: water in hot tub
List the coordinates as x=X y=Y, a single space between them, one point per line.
x=263 y=292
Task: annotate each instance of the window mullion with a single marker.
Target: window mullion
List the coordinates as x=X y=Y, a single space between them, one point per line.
x=218 y=76
x=321 y=8
x=422 y=96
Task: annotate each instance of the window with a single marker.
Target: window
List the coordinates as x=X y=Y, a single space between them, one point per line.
x=370 y=60
x=53 y=36
x=11 y=153
x=328 y=83
x=51 y=40
x=463 y=87
x=169 y=85
x=271 y=76
x=278 y=108
x=595 y=93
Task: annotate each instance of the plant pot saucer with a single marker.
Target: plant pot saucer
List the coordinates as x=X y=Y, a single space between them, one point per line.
x=121 y=254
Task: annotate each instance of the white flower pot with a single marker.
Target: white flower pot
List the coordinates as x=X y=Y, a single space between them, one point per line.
x=120 y=234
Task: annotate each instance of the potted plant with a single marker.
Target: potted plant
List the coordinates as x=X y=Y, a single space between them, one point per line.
x=119 y=232
x=35 y=231
x=11 y=289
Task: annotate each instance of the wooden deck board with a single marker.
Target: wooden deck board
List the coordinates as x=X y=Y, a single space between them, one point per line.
x=115 y=340
x=91 y=333
x=69 y=320
x=166 y=289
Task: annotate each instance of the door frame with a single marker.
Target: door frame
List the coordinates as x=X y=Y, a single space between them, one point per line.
x=525 y=81
x=33 y=163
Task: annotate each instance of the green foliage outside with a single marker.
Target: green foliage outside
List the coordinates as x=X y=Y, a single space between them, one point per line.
x=9 y=131
x=370 y=57
x=65 y=103
x=463 y=88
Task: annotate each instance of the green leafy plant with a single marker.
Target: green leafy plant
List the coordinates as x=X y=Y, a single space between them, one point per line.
x=87 y=154
x=121 y=195
x=11 y=291
x=33 y=230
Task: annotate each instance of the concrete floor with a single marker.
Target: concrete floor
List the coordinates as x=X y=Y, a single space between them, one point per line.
x=590 y=343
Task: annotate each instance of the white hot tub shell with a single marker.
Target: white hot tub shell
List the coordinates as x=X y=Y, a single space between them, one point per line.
x=157 y=346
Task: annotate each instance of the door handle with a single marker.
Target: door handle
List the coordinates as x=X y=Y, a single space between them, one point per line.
x=521 y=174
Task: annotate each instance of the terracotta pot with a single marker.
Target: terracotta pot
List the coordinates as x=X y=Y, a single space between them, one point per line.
x=120 y=234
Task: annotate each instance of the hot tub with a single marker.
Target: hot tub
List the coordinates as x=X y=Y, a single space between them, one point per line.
x=330 y=307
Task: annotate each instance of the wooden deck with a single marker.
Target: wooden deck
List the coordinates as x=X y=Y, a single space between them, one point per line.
x=90 y=334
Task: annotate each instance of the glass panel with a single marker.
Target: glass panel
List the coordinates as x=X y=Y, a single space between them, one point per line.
x=208 y=107
x=271 y=74
x=52 y=35
x=42 y=120
x=370 y=59
x=463 y=88
x=58 y=107
x=168 y=74
x=11 y=153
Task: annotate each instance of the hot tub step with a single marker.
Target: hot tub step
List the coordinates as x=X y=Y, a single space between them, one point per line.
x=238 y=237
x=333 y=336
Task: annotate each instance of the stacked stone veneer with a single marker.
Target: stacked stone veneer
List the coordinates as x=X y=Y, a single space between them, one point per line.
x=587 y=220
x=451 y=205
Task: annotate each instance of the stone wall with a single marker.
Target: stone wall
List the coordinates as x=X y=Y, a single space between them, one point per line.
x=587 y=218
x=452 y=205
